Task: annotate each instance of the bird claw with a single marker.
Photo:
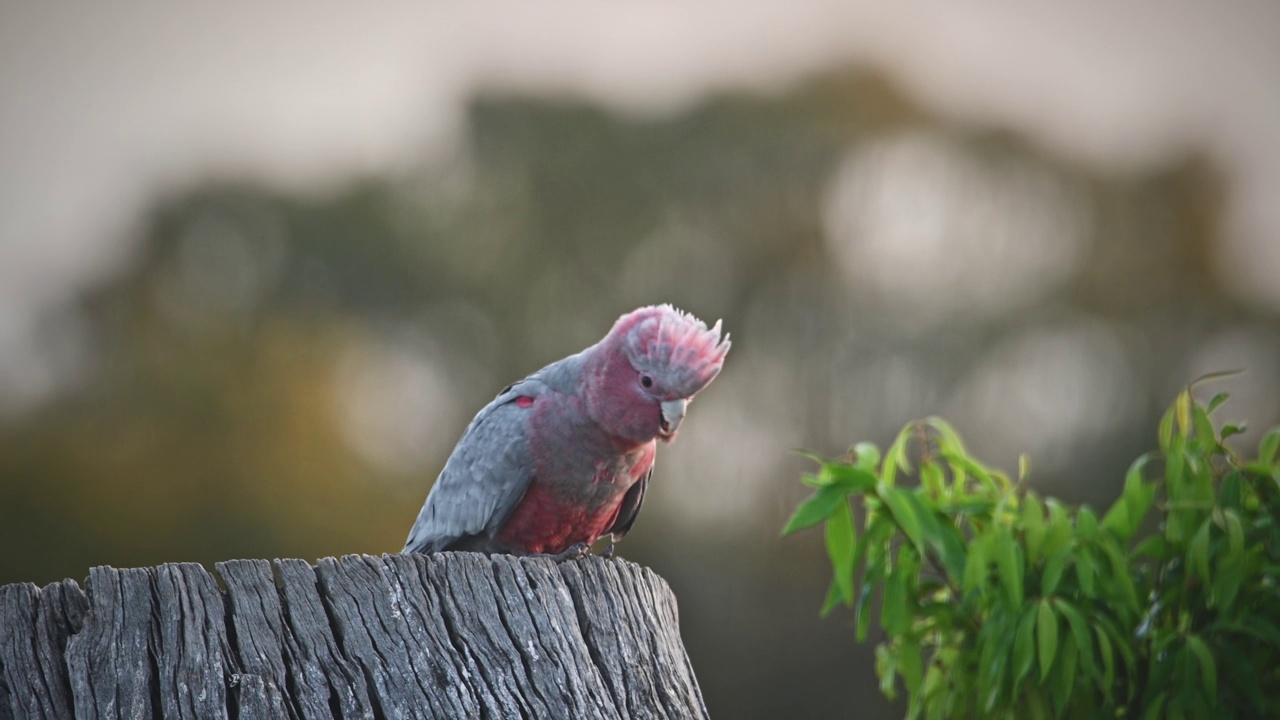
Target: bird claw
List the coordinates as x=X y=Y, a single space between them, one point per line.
x=608 y=552
x=575 y=551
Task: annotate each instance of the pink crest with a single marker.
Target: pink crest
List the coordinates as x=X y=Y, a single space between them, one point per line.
x=674 y=345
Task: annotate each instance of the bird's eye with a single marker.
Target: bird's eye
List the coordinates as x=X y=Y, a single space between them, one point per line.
x=646 y=381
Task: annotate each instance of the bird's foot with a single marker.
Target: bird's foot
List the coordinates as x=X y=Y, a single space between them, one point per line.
x=573 y=552
x=608 y=552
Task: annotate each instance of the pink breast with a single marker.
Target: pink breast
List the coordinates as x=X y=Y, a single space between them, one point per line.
x=547 y=521
x=544 y=523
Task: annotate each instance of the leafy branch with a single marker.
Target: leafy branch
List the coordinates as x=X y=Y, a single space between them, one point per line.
x=995 y=602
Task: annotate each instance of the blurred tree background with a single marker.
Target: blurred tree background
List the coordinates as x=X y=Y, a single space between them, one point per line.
x=276 y=372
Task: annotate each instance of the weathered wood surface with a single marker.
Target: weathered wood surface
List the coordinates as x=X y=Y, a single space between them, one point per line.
x=454 y=635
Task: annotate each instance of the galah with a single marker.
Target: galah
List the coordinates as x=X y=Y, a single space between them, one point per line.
x=563 y=457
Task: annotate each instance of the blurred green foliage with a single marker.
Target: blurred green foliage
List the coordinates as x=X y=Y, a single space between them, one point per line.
x=997 y=603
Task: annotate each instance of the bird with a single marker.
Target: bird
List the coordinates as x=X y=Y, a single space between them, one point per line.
x=563 y=457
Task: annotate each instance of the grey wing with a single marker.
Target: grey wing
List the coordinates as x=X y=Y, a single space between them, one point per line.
x=484 y=478
x=630 y=508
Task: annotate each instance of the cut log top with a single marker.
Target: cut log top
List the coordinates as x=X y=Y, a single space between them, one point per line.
x=453 y=635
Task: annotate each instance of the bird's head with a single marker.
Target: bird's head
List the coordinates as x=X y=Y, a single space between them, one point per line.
x=653 y=361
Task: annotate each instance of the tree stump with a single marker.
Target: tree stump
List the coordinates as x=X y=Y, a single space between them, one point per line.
x=452 y=635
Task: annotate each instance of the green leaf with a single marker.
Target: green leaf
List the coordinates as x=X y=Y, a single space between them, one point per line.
x=1174 y=464
x=975 y=566
x=1108 y=660
x=1165 y=432
x=1086 y=523
x=1162 y=664
x=1053 y=571
x=942 y=537
x=1155 y=708
x=1024 y=466
x=1235 y=532
x=931 y=478
x=896 y=456
x=1120 y=642
x=832 y=602
x=934 y=683
x=874 y=545
x=1085 y=570
x=972 y=467
x=996 y=639
x=948 y=438
x=1023 y=649
x=812 y=481
x=1268 y=446
x=1202 y=479
x=1263 y=628
x=959 y=478
x=860 y=544
x=1155 y=547
x=1137 y=497
x=868 y=456
x=1198 y=552
x=977 y=509
x=1079 y=630
x=1059 y=529
x=1009 y=566
x=862 y=618
x=893 y=611
x=1231 y=569
x=1186 y=684
x=903 y=514
x=949 y=546
x=815 y=509
x=1182 y=411
x=1226 y=583
x=1208 y=669
x=1234 y=429
x=840 y=545
x=910 y=665
x=1116 y=520
x=886 y=670
x=1032 y=526
x=1231 y=495
x=1064 y=677
x=1121 y=575
x=1217 y=401
x=849 y=478
x=1046 y=637
x=1204 y=429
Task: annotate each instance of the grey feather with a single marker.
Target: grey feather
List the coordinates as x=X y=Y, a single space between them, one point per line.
x=484 y=478
x=491 y=467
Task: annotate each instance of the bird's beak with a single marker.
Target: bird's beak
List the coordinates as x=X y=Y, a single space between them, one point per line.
x=672 y=414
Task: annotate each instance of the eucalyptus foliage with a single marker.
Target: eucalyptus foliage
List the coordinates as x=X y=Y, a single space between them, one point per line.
x=996 y=602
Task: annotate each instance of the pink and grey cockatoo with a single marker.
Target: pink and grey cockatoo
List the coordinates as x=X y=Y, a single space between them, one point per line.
x=562 y=458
